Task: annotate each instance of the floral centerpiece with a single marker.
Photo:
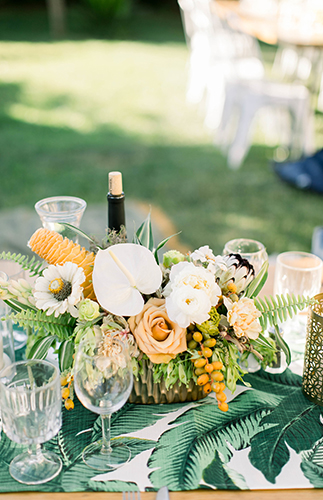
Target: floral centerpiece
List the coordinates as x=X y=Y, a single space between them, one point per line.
x=189 y=321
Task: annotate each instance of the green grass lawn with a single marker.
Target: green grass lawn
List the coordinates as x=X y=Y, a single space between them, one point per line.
x=113 y=98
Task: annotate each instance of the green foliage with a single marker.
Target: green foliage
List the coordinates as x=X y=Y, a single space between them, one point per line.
x=108 y=9
x=144 y=236
x=279 y=309
x=40 y=348
x=256 y=285
x=61 y=327
x=28 y=264
x=65 y=355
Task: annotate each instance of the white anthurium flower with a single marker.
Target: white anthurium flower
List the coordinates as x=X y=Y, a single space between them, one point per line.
x=59 y=289
x=187 y=305
x=121 y=274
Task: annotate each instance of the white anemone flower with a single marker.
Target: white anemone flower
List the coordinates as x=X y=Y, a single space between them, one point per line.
x=187 y=305
x=121 y=274
x=59 y=289
x=203 y=254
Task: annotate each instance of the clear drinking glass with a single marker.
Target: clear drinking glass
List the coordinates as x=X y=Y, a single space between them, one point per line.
x=103 y=384
x=15 y=272
x=298 y=273
x=58 y=209
x=30 y=402
x=252 y=250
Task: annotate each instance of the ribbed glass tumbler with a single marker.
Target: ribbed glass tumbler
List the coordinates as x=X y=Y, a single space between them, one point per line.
x=30 y=402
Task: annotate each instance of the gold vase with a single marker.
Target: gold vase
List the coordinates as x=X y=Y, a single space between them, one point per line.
x=313 y=359
x=146 y=391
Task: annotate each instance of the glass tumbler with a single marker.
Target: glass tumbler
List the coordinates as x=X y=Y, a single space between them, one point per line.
x=252 y=250
x=30 y=402
x=298 y=273
x=7 y=350
x=14 y=271
x=58 y=209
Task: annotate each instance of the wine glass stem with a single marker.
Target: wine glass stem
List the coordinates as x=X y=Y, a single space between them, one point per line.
x=106 y=438
x=35 y=451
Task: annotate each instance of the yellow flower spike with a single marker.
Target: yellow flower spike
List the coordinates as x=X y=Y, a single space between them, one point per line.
x=55 y=249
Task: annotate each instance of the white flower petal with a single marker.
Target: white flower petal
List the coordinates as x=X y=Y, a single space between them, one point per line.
x=111 y=284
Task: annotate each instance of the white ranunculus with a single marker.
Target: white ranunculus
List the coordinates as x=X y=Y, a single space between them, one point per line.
x=186 y=305
x=187 y=274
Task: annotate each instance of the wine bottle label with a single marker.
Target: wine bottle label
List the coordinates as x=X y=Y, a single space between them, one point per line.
x=115 y=183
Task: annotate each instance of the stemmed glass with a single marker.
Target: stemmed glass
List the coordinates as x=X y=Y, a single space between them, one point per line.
x=30 y=402
x=252 y=250
x=103 y=381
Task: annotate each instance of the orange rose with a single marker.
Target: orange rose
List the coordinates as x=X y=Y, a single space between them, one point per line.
x=156 y=335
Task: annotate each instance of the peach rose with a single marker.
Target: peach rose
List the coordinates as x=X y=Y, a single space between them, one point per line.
x=156 y=335
x=243 y=316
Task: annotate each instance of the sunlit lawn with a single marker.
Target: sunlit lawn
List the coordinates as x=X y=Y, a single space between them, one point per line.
x=73 y=110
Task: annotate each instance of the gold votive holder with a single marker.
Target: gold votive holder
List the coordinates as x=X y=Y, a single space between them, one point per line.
x=312 y=386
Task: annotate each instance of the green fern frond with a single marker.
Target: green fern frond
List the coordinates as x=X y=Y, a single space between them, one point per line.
x=28 y=264
x=275 y=310
x=62 y=327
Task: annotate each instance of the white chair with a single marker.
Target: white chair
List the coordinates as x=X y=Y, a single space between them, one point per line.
x=245 y=99
x=228 y=68
x=212 y=46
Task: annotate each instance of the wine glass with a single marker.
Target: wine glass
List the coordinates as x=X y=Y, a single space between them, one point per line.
x=30 y=402
x=54 y=211
x=252 y=250
x=103 y=381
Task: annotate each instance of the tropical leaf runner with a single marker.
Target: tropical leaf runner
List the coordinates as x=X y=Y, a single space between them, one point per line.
x=269 y=429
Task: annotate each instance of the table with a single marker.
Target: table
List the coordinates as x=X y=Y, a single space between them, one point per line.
x=306 y=44
x=265 y=494
x=193 y=444
x=267 y=29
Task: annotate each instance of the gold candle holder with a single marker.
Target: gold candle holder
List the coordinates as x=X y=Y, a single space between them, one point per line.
x=312 y=386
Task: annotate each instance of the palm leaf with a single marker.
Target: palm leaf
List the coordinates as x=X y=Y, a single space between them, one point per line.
x=217 y=473
x=312 y=464
x=191 y=445
x=28 y=264
x=296 y=423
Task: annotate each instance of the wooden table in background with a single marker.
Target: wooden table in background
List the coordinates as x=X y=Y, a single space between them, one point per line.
x=264 y=28
x=304 y=494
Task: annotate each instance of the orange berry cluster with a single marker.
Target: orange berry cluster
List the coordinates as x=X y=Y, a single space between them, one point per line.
x=208 y=373
x=66 y=392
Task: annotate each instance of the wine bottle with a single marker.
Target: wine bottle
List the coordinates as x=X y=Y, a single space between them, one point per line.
x=115 y=196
